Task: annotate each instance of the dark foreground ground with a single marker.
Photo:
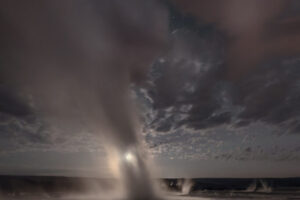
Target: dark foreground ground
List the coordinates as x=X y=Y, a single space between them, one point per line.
x=50 y=187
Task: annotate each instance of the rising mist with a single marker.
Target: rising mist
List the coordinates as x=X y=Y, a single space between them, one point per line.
x=76 y=61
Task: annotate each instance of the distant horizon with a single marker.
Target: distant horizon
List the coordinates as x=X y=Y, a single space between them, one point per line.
x=98 y=177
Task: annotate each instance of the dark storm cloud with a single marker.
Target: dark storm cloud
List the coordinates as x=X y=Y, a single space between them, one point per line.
x=189 y=86
x=184 y=80
x=13 y=104
x=271 y=93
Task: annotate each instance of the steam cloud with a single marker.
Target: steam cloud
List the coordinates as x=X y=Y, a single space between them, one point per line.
x=76 y=60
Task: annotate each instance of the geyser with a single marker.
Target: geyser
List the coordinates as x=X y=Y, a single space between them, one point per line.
x=135 y=175
x=76 y=60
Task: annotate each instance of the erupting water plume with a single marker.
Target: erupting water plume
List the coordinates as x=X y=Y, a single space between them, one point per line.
x=76 y=59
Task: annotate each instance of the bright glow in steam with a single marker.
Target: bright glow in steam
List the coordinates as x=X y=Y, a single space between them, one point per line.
x=129 y=157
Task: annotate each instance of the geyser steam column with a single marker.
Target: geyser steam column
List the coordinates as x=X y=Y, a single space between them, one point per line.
x=136 y=177
x=143 y=35
x=76 y=59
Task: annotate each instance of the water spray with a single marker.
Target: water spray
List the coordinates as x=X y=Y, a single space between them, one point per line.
x=77 y=60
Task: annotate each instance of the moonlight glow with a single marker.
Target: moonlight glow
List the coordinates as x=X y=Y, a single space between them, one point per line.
x=129 y=157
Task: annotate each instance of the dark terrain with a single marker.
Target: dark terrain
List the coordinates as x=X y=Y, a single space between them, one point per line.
x=56 y=186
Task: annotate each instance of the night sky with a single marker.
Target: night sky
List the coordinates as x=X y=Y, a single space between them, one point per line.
x=217 y=101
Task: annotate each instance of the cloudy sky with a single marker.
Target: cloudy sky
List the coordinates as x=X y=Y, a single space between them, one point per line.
x=220 y=100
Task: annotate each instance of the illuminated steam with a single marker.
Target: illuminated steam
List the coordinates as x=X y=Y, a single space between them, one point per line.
x=77 y=59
